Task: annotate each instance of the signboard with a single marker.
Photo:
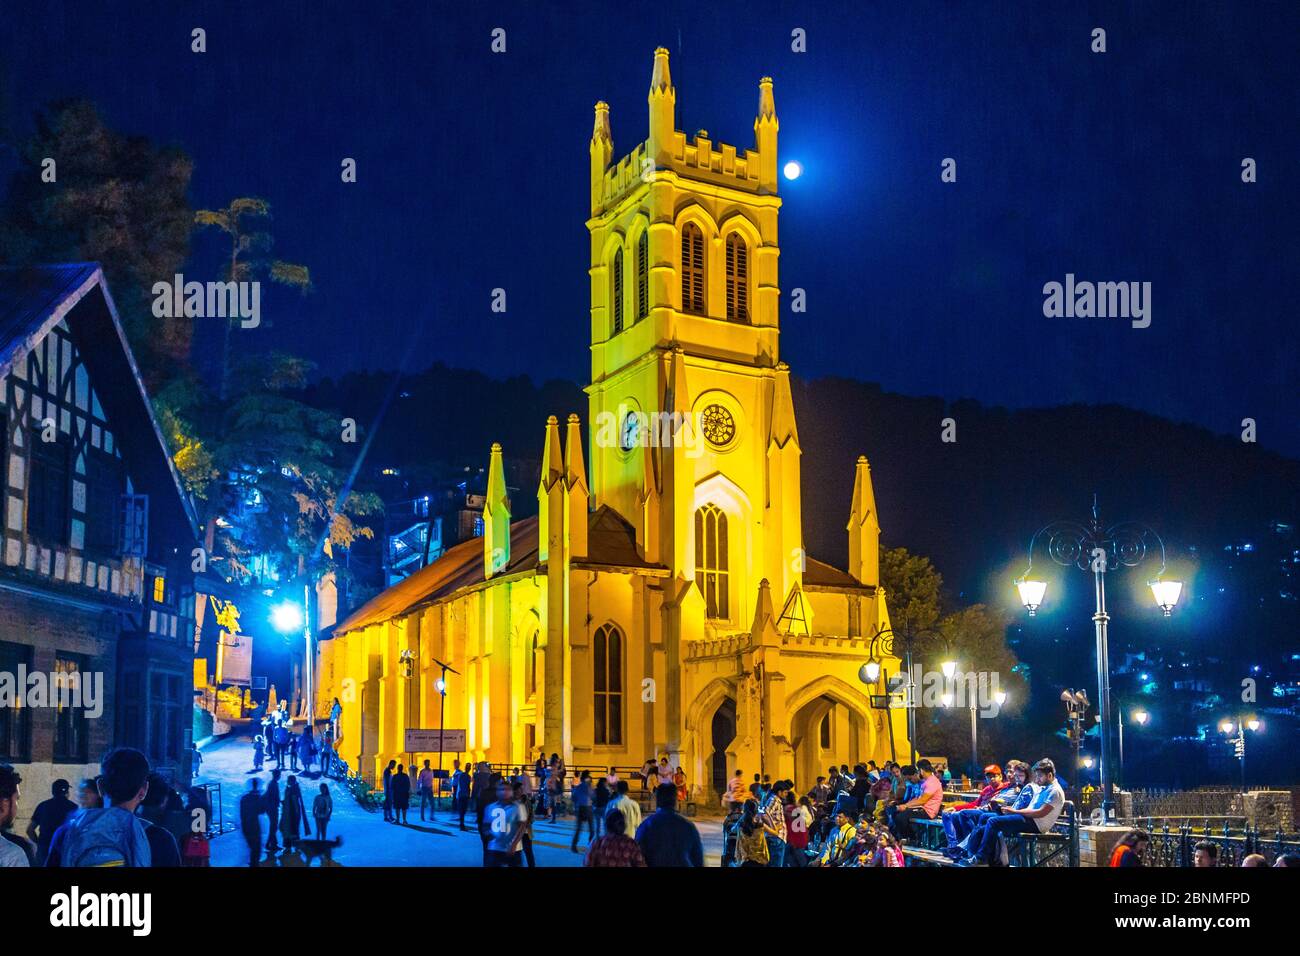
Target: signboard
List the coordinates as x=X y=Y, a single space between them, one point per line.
x=421 y=740
x=234 y=650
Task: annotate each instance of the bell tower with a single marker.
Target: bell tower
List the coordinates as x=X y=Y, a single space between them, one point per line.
x=692 y=428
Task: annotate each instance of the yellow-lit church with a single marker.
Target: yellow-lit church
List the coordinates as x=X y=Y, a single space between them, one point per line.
x=660 y=603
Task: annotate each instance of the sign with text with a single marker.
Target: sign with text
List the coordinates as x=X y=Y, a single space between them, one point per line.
x=420 y=740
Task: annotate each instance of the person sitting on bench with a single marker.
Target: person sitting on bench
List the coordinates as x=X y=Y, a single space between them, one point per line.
x=1039 y=817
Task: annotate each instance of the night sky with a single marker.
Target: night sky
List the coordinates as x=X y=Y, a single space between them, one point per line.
x=473 y=175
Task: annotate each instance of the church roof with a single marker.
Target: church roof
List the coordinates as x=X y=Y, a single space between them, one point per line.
x=819 y=574
x=610 y=541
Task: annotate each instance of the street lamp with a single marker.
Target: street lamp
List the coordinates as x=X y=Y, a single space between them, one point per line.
x=440 y=685
x=1092 y=546
x=882 y=645
x=1238 y=742
x=288 y=617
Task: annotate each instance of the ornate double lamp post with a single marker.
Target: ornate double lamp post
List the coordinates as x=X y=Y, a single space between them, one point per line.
x=1093 y=546
x=882 y=645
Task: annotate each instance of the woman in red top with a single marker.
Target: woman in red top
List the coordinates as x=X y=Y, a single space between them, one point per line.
x=1128 y=851
x=796 y=830
x=615 y=848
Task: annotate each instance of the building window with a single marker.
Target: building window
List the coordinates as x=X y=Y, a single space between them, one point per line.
x=71 y=727
x=711 y=560
x=160 y=590
x=15 y=721
x=616 y=290
x=737 y=279
x=103 y=504
x=532 y=664
x=826 y=732
x=692 y=269
x=643 y=276
x=47 y=498
x=607 y=662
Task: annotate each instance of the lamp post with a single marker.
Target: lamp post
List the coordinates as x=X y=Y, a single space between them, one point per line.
x=1238 y=741
x=440 y=685
x=1092 y=546
x=287 y=617
x=882 y=645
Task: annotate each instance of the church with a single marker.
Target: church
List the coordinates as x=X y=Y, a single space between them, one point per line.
x=660 y=602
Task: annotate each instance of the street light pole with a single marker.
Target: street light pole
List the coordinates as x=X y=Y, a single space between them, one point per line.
x=974 y=746
x=1091 y=546
x=307 y=661
x=441 y=686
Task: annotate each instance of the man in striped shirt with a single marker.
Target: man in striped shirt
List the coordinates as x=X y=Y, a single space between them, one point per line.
x=772 y=815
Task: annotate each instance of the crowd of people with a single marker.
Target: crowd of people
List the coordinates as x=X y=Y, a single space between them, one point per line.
x=125 y=816
x=279 y=743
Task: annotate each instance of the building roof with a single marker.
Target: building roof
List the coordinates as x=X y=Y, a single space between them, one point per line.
x=610 y=541
x=33 y=300
x=819 y=574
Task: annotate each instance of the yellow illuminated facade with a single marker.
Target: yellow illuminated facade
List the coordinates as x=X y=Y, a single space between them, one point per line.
x=660 y=603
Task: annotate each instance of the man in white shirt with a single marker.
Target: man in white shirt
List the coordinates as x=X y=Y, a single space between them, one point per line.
x=1038 y=817
x=625 y=805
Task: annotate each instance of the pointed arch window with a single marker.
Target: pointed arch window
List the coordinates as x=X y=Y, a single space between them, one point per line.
x=737 y=278
x=616 y=291
x=607 y=683
x=711 y=575
x=532 y=664
x=643 y=276
x=692 y=269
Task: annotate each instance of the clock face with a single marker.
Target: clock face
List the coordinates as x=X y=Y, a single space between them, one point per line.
x=630 y=433
x=718 y=425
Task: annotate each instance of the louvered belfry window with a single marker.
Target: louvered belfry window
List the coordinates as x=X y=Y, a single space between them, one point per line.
x=616 y=291
x=642 y=276
x=737 y=279
x=692 y=269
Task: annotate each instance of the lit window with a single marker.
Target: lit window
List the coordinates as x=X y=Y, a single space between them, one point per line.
x=607 y=682
x=711 y=560
x=643 y=276
x=692 y=269
x=737 y=279
x=616 y=290
x=159 y=589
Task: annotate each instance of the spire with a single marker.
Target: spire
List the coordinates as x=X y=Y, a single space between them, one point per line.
x=864 y=528
x=661 y=81
x=550 y=493
x=783 y=424
x=602 y=151
x=663 y=110
x=600 y=132
x=765 y=128
x=575 y=486
x=496 y=517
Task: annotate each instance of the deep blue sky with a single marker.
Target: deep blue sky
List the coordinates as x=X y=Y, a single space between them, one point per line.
x=473 y=175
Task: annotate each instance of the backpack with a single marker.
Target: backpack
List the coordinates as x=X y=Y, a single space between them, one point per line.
x=105 y=836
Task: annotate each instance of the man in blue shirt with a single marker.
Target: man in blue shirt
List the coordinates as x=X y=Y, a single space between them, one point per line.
x=666 y=837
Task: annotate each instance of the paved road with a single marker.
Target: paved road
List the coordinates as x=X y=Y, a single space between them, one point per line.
x=367 y=839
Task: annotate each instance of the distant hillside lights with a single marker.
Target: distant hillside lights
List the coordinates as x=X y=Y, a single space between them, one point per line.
x=209 y=300
x=1102 y=300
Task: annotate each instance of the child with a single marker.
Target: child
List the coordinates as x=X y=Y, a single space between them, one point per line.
x=259 y=751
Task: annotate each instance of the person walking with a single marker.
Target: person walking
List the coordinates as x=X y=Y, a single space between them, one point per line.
x=425 y=787
x=666 y=837
x=521 y=797
x=293 y=814
x=326 y=752
x=272 y=804
x=401 y=794
x=322 y=808
x=259 y=753
x=600 y=798
x=196 y=761
x=582 y=809
x=336 y=711
x=281 y=734
x=251 y=805
x=772 y=816
x=504 y=828
x=388 y=791
x=625 y=805
x=459 y=793
x=307 y=749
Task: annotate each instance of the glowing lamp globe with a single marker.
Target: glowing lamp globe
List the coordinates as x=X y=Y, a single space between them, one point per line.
x=1252 y=725
x=440 y=686
x=287 y=617
x=949 y=668
x=1031 y=594
x=793 y=170
x=1000 y=697
x=1227 y=726
x=1166 y=594
x=1141 y=717
x=869 y=672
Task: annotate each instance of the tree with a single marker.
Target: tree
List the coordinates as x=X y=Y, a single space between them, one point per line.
x=118 y=200
x=249 y=258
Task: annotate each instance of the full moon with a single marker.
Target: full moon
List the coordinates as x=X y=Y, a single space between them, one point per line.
x=793 y=170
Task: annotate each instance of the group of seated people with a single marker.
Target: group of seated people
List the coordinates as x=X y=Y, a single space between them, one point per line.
x=864 y=817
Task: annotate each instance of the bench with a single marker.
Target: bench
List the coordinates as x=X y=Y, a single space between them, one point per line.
x=930 y=834
x=919 y=856
x=1058 y=847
